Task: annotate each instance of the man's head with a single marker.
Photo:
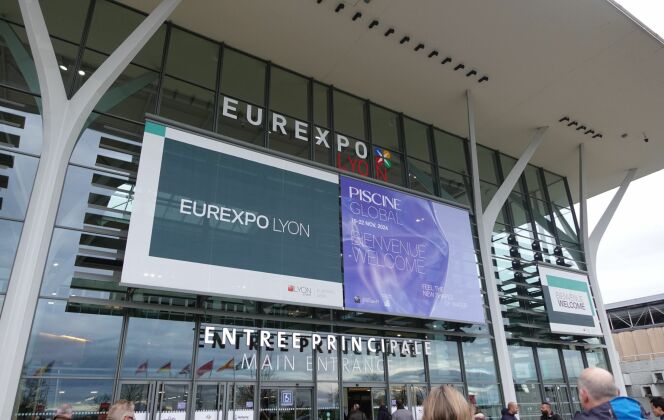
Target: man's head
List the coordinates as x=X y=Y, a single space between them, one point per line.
x=596 y=386
x=65 y=412
x=546 y=409
x=512 y=407
x=356 y=407
x=657 y=405
x=121 y=410
x=399 y=404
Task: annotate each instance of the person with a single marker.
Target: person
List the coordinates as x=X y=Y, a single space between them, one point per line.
x=547 y=412
x=64 y=412
x=599 y=398
x=510 y=412
x=121 y=410
x=657 y=405
x=446 y=403
x=356 y=414
x=401 y=413
x=383 y=412
x=477 y=413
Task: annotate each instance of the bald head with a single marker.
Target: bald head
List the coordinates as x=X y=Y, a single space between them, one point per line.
x=596 y=386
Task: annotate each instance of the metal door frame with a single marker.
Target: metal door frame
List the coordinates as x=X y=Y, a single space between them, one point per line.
x=154 y=398
x=295 y=386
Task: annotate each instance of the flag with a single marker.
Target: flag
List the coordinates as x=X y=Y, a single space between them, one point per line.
x=165 y=368
x=228 y=365
x=203 y=369
x=41 y=371
x=185 y=370
x=142 y=368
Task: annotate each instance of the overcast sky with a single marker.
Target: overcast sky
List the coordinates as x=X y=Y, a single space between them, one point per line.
x=630 y=260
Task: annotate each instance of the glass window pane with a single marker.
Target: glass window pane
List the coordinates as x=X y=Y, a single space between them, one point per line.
x=226 y=362
x=321 y=96
x=10 y=232
x=573 y=363
x=417 y=139
x=520 y=214
x=65 y=18
x=243 y=77
x=529 y=398
x=112 y=24
x=9 y=10
x=384 y=127
x=17 y=175
x=542 y=218
x=348 y=115
x=328 y=400
x=420 y=176
x=186 y=103
x=389 y=166
x=158 y=348
x=132 y=94
x=486 y=160
x=406 y=367
x=451 y=152
x=523 y=364
x=295 y=141
x=454 y=187
x=39 y=398
x=507 y=163
x=565 y=226
x=20 y=131
x=241 y=120
x=550 y=365
x=83 y=264
x=478 y=359
x=17 y=71
x=487 y=398
x=533 y=181
x=444 y=365
x=596 y=358
x=68 y=342
x=288 y=93
x=362 y=367
x=193 y=59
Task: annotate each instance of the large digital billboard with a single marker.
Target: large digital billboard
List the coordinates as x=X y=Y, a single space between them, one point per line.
x=568 y=301
x=213 y=218
x=406 y=255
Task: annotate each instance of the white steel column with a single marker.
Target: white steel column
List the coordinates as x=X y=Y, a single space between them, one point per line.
x=62 y=121
x=590 y=246
x=485 y=221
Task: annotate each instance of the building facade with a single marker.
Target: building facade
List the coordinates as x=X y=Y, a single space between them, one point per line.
x=93 y=340
x=636 y=326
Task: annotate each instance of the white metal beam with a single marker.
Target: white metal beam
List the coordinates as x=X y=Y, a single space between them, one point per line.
x=485 y=221
x=62 y=121
x=590 y=244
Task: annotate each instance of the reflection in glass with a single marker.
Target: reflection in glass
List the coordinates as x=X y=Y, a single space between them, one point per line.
x=187 y=103
x=243 y=77
x=444 y=365
x=523 y=364
x=192 y=59
x=173 y=401
x=158 y=348
x=407 y=367
x=420 y=175
x=417 y=139
x=573 y=363
x=596 y=358
x=451 y=152
x=529 y=398
x=384 y=127
x=362 y=367
x=242 y=121
x=328 y=400
x=486 y=160
x=487 y=397
x=348 y=115
x=241 y=402
x=227 y=362
x=17 y=175
x=10 y=232
x=209 y=402
x=289 y=93
x=39 y=398
x=289 y=136
x=550 y=365
x=454 y=187
x=72 y=343
x=139 y=394
x=478 y=359
x=321 y=97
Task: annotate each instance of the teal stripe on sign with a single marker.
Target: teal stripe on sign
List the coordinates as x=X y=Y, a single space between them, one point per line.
x=570 y=284
x=154 y=128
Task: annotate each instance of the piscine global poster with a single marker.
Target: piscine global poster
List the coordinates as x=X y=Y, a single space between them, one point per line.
x=406 y=255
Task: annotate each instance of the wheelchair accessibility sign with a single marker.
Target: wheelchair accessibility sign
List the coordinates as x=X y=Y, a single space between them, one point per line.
x=286 y=398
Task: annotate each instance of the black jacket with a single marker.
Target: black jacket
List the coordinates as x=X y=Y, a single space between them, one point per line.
x=506 y=415
x=554 y=416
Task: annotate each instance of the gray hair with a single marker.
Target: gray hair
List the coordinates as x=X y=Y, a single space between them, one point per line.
x=598 y=383
x=120 y=409
x=64 y=410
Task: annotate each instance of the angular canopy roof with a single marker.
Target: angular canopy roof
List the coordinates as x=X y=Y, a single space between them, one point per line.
x=585 y=60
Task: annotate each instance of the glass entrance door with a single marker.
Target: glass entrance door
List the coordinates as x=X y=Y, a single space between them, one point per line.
x=156 y=400
x=224 y=401
x=558 y=396
x=286 y=403
x=412 y=396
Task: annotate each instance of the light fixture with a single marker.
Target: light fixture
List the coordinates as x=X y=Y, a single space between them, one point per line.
x=446 y=60
x=483 y=79
x=81 y=72
x=459 y=67
x=419 y=47
x=404 y=39
x=645 y=138
x=373 y=23
x=55 y=264
x=433 y=53
x=471 y=73
x=339 y=7
x=356 y=16
x=389 y=32
x=63 y=67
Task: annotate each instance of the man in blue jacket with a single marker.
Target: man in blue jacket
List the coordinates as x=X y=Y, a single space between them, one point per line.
x=657 y=405
x=599 y=398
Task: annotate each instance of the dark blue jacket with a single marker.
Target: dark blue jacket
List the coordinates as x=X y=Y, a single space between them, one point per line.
x=604 y=411
x=506 y=415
